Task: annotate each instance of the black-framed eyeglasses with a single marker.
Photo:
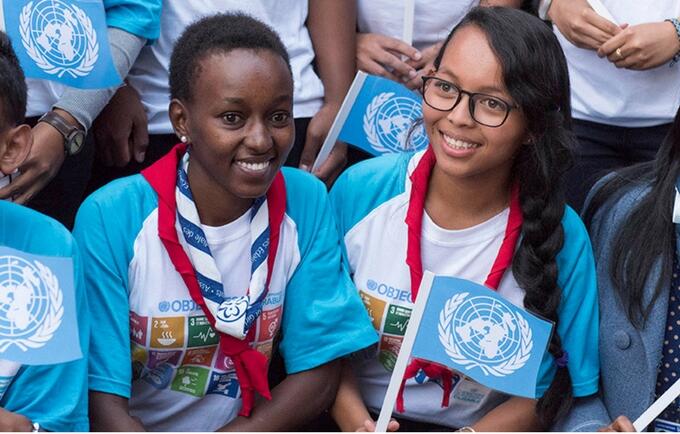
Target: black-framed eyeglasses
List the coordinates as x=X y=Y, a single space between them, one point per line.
x=485 y=109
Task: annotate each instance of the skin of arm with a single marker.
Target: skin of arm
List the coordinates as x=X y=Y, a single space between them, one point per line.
x=315 y=388
x=348 y=410
x=515 y=414
x=331 y=25
x=110 y=413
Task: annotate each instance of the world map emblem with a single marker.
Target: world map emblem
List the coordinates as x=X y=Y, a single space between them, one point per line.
x=482 y=332
x=60 y=38
x=31 y=303
x=389 y=120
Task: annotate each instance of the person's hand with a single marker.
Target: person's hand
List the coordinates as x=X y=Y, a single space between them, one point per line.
x=42 y=164
x=424 y=66
x=580 y=24
x=382 y=55
x=14 y=422
x=621 y=424
x=369 y=426
x=643 y=46
x=120 y=130
x=316 y=134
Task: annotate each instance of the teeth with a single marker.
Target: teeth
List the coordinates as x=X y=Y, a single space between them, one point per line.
x=459 y=144
x=253 y=167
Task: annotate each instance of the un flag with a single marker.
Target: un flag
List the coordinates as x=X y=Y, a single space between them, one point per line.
x=61 y=40
x=470 y=328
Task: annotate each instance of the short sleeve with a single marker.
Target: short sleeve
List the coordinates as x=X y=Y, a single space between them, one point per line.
x=323 y=318
x=139 y=17
x=578 y=312
x=105 y=275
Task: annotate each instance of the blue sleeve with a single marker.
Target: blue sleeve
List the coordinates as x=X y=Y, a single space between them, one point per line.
x=105 y=231
x=323 y=317
x=139 y=17
x=578 y=312
x=55 y=396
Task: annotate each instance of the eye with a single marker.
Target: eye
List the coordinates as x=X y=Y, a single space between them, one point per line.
x=444 y=86
x=492 y=104
x=231 y=118
x=280 y=118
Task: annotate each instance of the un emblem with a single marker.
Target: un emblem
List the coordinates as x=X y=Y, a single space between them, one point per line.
x=60 y=38
x=388 y=120
x=482 y=332
x=31 y=303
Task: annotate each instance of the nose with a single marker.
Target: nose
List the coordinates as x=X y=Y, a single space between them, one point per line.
x=460 y=114
x=258 y=137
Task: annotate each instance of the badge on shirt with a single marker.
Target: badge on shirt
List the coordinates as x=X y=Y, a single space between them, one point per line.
x=38 y=321
x=472 y=329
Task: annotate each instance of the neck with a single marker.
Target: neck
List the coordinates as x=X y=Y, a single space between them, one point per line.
x=455 y=203
x=216 y=207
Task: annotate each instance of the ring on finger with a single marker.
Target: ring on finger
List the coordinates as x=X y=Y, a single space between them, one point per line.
x=619 y=53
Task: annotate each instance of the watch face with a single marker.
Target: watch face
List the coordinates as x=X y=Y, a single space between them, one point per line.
x=75 y=142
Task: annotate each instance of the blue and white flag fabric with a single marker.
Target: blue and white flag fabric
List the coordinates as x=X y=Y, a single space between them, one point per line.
x=38 y=320
x=61 y=40
x=470 y=328
x=383 y=116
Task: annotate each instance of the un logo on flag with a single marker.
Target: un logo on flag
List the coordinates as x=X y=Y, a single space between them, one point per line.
x=31 y=303
x=483 y=332
x=59 y=37
x=388 y=120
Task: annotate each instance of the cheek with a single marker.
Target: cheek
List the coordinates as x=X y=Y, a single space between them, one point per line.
x=284 y=138
x=431 y=117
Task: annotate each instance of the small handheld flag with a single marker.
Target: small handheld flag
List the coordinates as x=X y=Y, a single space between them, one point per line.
x=379 y=116
x=61 y=40
x=38 y=321
x=473 y=330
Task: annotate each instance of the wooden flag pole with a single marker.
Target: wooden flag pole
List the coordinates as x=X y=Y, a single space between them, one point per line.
x=659 y=406
x=404 y=353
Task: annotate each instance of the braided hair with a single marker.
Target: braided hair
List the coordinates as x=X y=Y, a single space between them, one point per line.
x=536 y=76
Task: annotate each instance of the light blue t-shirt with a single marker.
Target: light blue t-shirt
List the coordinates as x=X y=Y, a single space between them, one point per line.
x=139 y=17
x=55 y=396
x=370 y=201
x=148 y=321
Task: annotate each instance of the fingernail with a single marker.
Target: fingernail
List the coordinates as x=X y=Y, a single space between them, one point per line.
x=304 y=167
x=140 y=157
x=417 y=56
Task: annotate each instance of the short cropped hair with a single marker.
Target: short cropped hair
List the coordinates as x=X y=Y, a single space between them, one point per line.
x=219 y=33
x=12 y=85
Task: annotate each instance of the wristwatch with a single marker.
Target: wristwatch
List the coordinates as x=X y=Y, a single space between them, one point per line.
x=543 y=8
x=74 y=136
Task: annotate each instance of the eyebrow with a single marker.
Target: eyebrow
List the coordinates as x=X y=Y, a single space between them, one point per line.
x=275 y=100
x=485 y=89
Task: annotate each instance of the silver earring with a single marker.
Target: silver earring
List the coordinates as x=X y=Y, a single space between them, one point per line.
x=184 y=139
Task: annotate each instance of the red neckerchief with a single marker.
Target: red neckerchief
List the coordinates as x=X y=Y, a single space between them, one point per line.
x=414 y=220
x=250 y=364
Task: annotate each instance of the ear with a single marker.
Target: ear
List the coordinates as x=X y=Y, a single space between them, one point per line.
x=179 y=118
x=15 y=147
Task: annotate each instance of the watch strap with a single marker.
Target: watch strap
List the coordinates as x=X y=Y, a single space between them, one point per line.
x=65 y=128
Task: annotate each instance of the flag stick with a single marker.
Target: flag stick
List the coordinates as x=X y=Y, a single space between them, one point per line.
x=404 y=353
x=659 y=405
x=2 y=16
x=340 y=119
x=409 y=13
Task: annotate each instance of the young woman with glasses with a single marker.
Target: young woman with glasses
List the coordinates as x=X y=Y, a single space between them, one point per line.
x=496 y=111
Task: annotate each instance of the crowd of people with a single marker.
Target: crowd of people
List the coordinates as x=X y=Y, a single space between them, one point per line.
x=216 y=289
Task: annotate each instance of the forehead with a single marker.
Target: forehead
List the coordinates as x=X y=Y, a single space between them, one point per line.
x=240 y=70
x=470 y=59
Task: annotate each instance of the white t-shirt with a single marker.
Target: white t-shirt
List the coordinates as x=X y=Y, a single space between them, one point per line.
x=149 y=75
x=433 y=20
x=602 y=93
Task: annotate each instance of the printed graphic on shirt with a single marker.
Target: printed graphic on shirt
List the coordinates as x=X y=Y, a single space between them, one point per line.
x=389 y=349
x=199 y=356
x=223 y=363
x=375 y=308
x=138 y=328
x=201 y=332
x=265 y=348
x=269 y=324
x=397 y=320
x=4 y=384
x=167 y=332
x=468 y=391
x=139 y=360
x=158 y=357
x=160 y=376
x=191 y=380
x=223 y=384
